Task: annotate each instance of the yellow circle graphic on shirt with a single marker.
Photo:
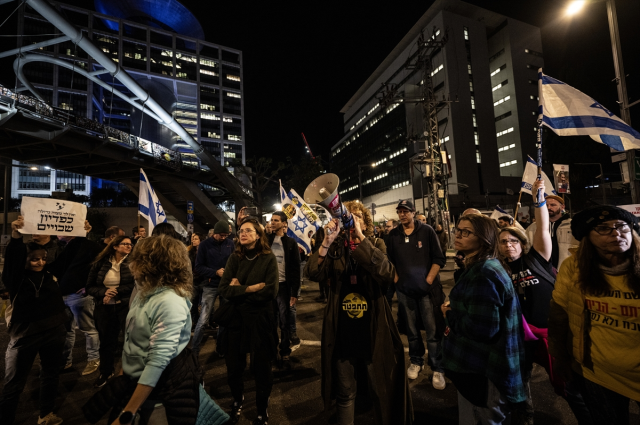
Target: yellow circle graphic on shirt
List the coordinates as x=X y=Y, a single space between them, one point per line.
x=355 y=305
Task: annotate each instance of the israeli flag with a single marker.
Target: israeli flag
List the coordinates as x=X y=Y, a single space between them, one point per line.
x=569 y=112
x=499 y=212
x=531 y=175
x=148 y=204
x=302 y=221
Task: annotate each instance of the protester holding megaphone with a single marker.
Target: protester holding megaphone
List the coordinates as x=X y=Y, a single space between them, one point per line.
x=358 y=328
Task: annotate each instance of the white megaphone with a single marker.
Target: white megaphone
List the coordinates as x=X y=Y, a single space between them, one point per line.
x=324 y=191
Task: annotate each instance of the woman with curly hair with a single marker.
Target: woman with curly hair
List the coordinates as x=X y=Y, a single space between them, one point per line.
x=483 y=347
x=250 y=285
x=155 y=360
x=593 y=319
x=358 y=330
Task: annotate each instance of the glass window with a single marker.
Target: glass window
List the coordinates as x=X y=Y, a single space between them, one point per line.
x=209 y=51
x=103 y=24
x=209 y=99
x=184 y=44
x=186 y=66
x=73 y=102
x=37 y=26
x=39 y=72
x=108 y=44
x=209 y=71
x=232 y=104
x=162 y=39
x=231 y=77
x=65 y=75
x=136 y=33
x=134 y=55
x=230 y=57
x=232 y=128
x=39 y=179
x=79 y=19
x=68 y=180
x=161 y=61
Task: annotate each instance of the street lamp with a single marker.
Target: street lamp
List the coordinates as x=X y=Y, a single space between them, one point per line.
x=360 y=167
x=604 y=194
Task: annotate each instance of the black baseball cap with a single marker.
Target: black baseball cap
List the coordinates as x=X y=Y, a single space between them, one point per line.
x=407 y=204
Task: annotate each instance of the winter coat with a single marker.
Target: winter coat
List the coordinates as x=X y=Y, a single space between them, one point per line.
x=291 y=262
x=562 y=239
x=390 y=379
x=95 y=281
x=73 y=264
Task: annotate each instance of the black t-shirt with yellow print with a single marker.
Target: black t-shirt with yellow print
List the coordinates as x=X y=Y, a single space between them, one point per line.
x=354 y=322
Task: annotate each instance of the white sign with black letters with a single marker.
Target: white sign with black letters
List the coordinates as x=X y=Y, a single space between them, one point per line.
x=53 y=217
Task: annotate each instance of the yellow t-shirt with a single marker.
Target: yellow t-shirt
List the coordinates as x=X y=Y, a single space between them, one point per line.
x=615 y=339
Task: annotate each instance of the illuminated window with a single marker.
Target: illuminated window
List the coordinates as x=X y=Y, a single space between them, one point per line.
x=227 y=119
x=207 y=107
x=466 y=33
x=475 y=138
x=207 y=72
x=504 y=99
x=233 y=77
x=207 y=116
x=234 y=137
x=502 y=133
x=498 y=70
x=438 y=69
x=213 y=135
x=208 y=62
x=508 y=163
x=236 y=95
x=478 y=160
x=473 y=103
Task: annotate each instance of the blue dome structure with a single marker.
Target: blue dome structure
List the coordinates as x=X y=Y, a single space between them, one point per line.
x=169 y=15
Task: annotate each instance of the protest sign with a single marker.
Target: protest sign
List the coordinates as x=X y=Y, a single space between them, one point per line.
x=561 y=178
x=53 y=217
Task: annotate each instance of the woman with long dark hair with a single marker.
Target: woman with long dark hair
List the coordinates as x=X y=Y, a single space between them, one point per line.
x=594 y=316
x=250 y=285
x=483 y=347
x=110 y=283
x=36 y=326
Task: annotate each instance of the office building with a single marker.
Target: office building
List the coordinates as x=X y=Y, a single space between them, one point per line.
x=160 y=43
x=488 y=70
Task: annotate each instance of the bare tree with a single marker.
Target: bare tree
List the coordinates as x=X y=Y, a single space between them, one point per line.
x=260 y=172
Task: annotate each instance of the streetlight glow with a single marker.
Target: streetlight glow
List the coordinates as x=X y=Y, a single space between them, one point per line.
x=278 y=207
x=34 y=168
x=575 y=7
x=373 y=165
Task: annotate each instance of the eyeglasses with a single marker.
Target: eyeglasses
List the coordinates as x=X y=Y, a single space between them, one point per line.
x=247 y=231
x=606 y=230
x=512 y=242
x=126 y=244
x=463 y=232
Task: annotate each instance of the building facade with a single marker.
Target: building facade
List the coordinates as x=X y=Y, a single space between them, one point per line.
x=487 y=69
x=161 y=45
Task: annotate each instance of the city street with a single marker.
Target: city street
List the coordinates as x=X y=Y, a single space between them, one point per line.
x=296 y=393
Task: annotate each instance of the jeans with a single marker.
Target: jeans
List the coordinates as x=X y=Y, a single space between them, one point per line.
x=207 y=302
x=606 y=406
x=82 y=308
x=110 y=320
x=283 y=314
x=292 y=315
x=21 y=353
x=410 y=308
x=236 y=361
x=496 y=412
x=347 y=388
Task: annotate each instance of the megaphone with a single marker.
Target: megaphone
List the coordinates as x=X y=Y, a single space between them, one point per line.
x=324 y=191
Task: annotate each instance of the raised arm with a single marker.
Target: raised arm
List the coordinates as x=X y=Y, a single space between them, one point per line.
x=541 y=238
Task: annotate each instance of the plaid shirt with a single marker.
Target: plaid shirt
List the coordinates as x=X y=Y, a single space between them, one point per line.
x=486 y=329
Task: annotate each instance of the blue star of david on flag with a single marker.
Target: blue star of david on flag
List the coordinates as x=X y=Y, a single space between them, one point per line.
x=300 y=223
x=159 y=210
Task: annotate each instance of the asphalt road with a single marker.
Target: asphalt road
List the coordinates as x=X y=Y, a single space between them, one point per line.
x=296 y=393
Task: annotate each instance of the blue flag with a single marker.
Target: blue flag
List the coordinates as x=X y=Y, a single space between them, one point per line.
x=148 y=204
x=569 y=112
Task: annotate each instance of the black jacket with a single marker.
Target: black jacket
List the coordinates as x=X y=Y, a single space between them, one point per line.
x=95 y=280
x=291 y=263
x=72 y=266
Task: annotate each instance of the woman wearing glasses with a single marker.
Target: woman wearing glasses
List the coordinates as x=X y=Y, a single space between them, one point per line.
x=533 y=277
x=250 y=284
x=110 y=282
x=594 y=318
x=483 y=350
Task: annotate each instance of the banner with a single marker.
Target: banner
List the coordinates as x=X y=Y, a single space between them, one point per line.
x=499 y=212
x=523 y=215
x=53 y=217
x=632 y=208
x=148 y=203
x=561 y=178
x=531 y=175
x=302 y=221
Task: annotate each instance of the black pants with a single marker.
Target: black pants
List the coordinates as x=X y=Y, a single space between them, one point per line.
x=283 y=316
x=21 y=353
x=236 y=360
x=324 y=288
x=110 y=320
x=606 y=406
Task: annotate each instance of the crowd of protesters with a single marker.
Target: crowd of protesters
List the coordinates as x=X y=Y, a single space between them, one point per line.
x=565 y=295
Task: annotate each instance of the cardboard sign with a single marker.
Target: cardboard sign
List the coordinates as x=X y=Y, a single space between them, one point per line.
x=53 y=217
x=632 y=208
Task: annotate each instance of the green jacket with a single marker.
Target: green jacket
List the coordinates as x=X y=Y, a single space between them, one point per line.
x=394 y=405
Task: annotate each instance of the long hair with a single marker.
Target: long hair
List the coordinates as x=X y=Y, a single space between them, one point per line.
x=486 y=230
x=199 y=235
x=108 y=251
x=262 y=244
x=591 y=279
x=366 y=215
x=159 y=261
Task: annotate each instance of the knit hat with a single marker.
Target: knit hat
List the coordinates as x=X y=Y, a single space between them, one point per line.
x=221 y=227
x=587 y=219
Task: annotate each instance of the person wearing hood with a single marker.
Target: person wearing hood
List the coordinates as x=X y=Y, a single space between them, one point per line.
x=560 y=230
x=414 y=250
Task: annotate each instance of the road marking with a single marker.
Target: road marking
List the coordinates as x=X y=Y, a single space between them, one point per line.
x=319 y=344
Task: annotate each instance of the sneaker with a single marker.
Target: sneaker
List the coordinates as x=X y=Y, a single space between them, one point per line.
x=261 y=420
x=413 y=371
x=50 y=419
x=236 y=411
x=295 y=342
x=102 y=379
x=438 y=381
x=92 y=366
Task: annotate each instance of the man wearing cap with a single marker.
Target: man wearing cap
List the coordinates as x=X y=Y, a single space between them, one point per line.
x=211 y=259
x=559 y=228
x=414 y=250
x=288 y=257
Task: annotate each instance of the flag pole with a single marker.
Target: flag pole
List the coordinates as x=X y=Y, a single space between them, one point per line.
x=539 y=195
x=515 y=215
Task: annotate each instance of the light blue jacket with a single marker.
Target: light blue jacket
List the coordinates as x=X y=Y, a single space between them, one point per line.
x=158 y=329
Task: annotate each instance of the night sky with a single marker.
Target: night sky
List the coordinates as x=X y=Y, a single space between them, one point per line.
x=302 y=62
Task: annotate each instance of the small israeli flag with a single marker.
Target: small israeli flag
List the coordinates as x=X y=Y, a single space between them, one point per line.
x=569 y=112
x=302 y=221
x=148 y=204
x=531 y=175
